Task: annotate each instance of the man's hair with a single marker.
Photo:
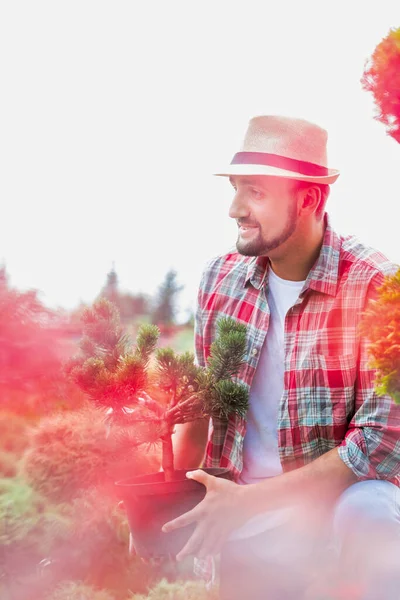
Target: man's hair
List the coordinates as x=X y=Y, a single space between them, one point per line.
x=325 y=189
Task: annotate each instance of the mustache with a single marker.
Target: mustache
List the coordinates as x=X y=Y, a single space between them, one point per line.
x=242 y=223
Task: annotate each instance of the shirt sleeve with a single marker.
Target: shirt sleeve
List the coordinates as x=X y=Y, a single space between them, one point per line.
x=371 y=447
x=198 y=326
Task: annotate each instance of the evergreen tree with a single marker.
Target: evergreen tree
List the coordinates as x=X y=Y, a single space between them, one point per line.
x=32 y=348
x=117 y=377
x=110 y=290
x=130 y=306
x=165 y=307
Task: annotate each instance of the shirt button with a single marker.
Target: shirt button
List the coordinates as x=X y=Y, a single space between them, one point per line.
x=254 y=352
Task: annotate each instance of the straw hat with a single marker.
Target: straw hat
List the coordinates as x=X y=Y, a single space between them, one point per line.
x=283 y=147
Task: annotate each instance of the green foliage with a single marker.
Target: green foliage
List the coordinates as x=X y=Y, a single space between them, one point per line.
x=119 y=379
x=95 y=543
x=179 y=590
x=20 y=511
x=381 y=325
x=70 y=452
x=176 y=374
x=72 y=590
x=107 y=369
x=146 y=340
x=85 y=538
x=8 y=464
x=219 y=394
x=222 y=395
x=13 y=441
x=94 y=547
x=13 y=432
x=29 y=529
x=228 y=398
x=227 y=350
x=382 y=78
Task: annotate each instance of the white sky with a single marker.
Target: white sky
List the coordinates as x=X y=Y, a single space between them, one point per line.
x=115 y=114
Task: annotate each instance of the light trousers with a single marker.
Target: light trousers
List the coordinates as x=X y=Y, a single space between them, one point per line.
x=350 y=549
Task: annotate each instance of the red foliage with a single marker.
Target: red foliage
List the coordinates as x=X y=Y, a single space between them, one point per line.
x=381 y=325
x=382 y=78
x=32 y=348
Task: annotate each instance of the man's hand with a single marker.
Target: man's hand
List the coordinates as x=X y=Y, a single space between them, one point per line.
x=221 y=511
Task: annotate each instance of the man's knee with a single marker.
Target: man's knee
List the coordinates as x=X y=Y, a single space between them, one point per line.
x=367 y=507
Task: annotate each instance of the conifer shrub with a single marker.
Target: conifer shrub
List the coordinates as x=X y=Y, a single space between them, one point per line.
x=14 y=438
x=179 y=590
x=33 y=348
x=14 y=432
x=381 y=326
x=381 y=77
x=29 y=527
x=83 y=539
x=94 y=546
x=21 y=510
x=71 y=451
x=157 y=387
x=8 y=464
x=76 y=590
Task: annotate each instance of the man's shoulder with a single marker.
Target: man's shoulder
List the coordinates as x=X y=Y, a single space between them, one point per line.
x=364 y=261
x=230 y=262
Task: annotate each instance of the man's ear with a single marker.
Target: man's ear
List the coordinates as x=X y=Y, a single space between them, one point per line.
x=309 y=200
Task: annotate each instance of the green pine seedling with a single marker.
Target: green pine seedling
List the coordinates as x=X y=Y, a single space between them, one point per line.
x=119 y=378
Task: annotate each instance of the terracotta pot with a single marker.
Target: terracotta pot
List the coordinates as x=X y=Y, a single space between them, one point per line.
x=150 y=502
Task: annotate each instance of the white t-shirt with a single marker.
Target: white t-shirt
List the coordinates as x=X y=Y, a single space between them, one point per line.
x=260 y=450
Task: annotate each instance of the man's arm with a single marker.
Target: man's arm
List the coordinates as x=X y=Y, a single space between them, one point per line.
x=326 y=477
x=228 y=505
x=189 y=443
x=371 y=445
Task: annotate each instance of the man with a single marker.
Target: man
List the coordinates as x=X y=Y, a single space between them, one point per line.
x=317 y=458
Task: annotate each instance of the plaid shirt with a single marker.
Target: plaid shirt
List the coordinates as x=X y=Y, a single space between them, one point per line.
x=328 y=399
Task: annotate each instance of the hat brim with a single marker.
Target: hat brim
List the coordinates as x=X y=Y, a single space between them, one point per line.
x=246 y=169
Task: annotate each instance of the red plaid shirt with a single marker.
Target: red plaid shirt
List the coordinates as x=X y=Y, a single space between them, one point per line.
x=328 y=398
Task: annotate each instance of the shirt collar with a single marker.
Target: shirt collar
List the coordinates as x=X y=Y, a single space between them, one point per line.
x=323 y=276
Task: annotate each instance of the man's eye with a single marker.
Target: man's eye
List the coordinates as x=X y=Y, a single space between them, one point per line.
x=256 y=193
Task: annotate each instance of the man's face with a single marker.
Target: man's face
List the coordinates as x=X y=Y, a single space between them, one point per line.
x=266 y=213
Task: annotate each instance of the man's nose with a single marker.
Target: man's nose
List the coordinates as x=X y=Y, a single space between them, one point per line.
x=238 y=208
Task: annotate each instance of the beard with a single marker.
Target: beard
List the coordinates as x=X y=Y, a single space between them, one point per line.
x=260 y=246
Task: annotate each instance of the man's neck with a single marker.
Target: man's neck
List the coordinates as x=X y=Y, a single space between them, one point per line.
x=296 y=263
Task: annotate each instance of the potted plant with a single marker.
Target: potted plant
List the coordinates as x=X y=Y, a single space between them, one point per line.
x=152 y=390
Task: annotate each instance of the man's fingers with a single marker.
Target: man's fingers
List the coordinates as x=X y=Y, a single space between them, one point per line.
x=211 y=544
x=214 y=546
x=192 y=545
x=201 y=476
x=186 y=519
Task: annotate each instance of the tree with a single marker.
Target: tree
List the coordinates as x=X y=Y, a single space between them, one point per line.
x=165 y=307
x=32 y=348
x=110 y=290
x=130 y=306
x=117 y=378
x=382 y=77
x=381 y=322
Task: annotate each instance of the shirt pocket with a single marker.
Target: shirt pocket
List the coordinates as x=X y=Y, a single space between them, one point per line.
x=332 y=379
